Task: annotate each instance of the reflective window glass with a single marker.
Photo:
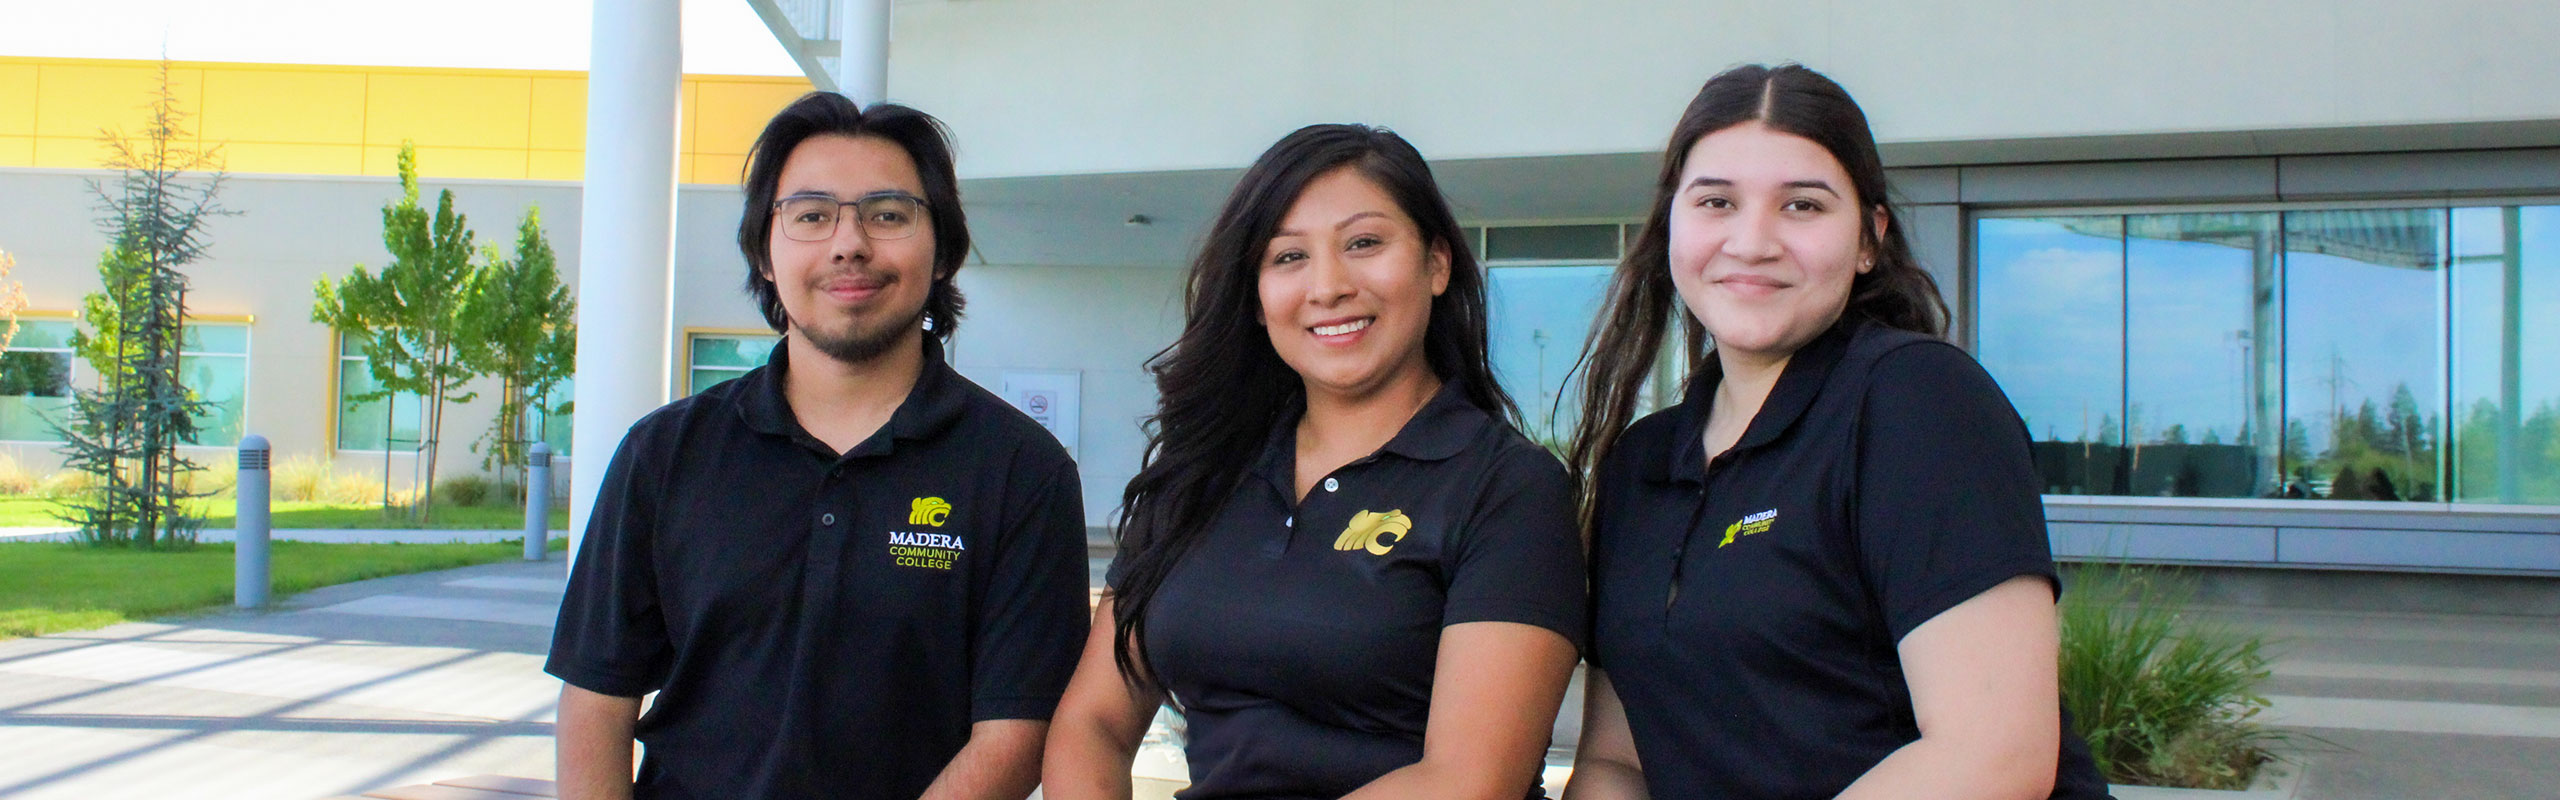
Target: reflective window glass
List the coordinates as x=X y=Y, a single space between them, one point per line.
x=2050 y=300
x=720 y=357
x=2364 y=353
x=2201 y=343
x=392 y=422
x=35 y=381
x=2506 y=354
x=1538 y=318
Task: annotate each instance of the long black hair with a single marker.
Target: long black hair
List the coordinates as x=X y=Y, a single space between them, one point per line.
x=1788 y=98
x=828 y=113
x=1222 y=388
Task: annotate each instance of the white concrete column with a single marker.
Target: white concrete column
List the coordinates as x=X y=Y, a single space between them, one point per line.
x=626 y=236
x=862 y=65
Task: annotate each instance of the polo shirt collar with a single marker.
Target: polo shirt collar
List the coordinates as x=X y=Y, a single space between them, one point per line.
x=1441 y=429
x=932 y=405
x=1798 y=385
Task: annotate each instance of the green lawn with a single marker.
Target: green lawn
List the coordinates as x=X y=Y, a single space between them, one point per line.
x=23 y=512
x=49 y=587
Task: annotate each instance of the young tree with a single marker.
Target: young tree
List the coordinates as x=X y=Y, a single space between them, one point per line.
x=520 y=325
x=127 y=431
x=13 y=298
x=412 y=311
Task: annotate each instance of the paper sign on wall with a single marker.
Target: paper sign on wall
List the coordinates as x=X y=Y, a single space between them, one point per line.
x=1051 y=397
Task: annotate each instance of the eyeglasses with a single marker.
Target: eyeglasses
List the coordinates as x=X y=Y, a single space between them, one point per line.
x=812 y=217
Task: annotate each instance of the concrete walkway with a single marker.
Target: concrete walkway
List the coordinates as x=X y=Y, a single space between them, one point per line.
x=425 y=677
x=361 y=686
x=2416 y=705
x=366 y=536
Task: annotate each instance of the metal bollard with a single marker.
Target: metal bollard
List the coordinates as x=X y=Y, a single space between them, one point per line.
x=249 y=582
x=537 y=503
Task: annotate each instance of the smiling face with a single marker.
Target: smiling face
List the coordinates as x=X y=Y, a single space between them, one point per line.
x=1765 y=239
x=848 y=295
x=1346 y=287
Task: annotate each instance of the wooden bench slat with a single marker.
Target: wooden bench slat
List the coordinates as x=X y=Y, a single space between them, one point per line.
x=432 y=792
x=529 y=787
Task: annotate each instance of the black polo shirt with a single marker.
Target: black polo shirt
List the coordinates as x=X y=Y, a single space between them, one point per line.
x=1299 y=639
x=1748 y=610
x=818 y=625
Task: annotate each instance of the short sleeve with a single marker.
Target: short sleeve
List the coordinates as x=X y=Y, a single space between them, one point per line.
x=1030 y=623
x=1520 y=558
x=1947 y=503
x=611 y=637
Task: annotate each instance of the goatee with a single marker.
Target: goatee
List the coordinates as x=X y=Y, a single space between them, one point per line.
x=859 y=346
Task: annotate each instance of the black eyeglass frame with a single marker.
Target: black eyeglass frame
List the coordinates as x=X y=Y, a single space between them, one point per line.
x=921 y=204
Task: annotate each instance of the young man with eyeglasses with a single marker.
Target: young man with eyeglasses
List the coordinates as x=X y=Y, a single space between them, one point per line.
x=849 y=573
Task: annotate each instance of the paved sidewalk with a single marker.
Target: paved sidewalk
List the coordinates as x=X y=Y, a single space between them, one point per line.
x=438 y=675
x=404 y=535
x=2416 y=705
x=360 y=686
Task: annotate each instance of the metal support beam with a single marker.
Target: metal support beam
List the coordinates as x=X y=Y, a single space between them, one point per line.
x=862 y=60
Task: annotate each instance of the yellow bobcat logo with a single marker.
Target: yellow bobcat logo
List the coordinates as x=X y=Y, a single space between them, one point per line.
x=1756 y=523
x=928 y=511
x=1374 y=532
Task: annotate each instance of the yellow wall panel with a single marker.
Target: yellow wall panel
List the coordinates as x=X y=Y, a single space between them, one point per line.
x=300 y=106
x=76 y=100
x=559 y=114
x=286 y=118
x=448 y=162
x=70 y=151
x=298 y=159
x=686 y=116
x=17 y=100
x=729 y=114
x=449 y=110
x=720 y=168
x=555 y=165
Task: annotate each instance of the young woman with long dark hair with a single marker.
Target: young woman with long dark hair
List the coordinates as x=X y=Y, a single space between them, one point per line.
x=1824 y=573
x=1340 y=559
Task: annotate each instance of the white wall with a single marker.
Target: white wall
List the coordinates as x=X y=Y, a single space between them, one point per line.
x=294 y=230
x=1033 y=87
x=1103 y=322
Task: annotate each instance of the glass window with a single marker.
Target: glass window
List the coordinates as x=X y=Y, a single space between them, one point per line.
x=393 y=422
x=213 y=362
x=1551 y=243
x=35 y=381
x=720 y=357
x=1538 y=318
x=2050 y=328
x=2364 y=353
x=553 y=429
x=2506 y=354
x=2201 y=340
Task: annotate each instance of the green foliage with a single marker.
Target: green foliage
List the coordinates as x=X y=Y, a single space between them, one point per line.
x=126 y=433
x=520 y=325
x=465 y=490
x=413 y=310
x=2161 y=699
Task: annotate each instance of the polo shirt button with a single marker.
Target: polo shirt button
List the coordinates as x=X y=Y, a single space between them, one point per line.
x=826 y=519
x=1331 y=484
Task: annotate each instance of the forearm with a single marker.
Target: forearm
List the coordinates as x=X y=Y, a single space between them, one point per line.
x=1000 y=762
x=1604 y=779
x=594 y=744
x=1927 y=768
x=1425 y=779
x=1085 y=760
